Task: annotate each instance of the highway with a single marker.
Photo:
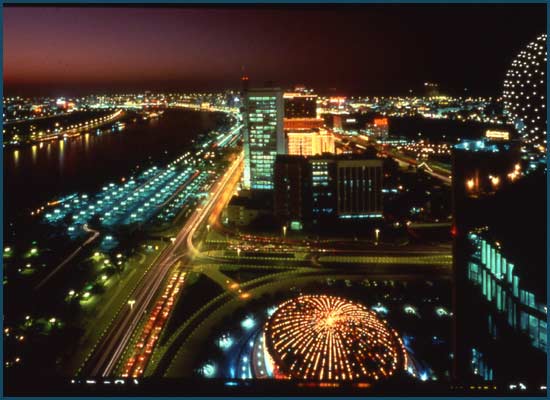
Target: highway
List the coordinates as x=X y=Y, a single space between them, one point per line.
x=115 y=343
x=108 y=351
x=444 y=176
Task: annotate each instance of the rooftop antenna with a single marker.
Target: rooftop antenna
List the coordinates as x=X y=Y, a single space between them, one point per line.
x=244 y=81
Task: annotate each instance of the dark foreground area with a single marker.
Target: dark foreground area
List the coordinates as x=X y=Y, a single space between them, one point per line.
x=398 y=386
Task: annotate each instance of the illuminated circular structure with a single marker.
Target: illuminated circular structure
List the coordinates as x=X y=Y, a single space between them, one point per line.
x=327 y=338
x=524 y=94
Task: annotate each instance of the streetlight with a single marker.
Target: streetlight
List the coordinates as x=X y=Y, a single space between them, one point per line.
x=238 y=251
x=131 y=303
x=376 y=235
x=284 y=230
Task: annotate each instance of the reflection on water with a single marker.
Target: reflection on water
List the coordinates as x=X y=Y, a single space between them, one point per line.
x=37 y=174
x=15 y=158
x=34 y=151
x=61 y=154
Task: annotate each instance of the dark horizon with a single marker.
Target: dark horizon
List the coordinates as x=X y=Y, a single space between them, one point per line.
x=364 y=49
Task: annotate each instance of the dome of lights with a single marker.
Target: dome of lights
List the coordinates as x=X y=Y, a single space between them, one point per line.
x=326 y=338
x=525 y=94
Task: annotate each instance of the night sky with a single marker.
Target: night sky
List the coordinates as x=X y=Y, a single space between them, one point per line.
x=360 y=49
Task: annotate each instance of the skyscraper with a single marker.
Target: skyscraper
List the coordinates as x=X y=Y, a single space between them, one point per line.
x=263 y=136
x=498 y=265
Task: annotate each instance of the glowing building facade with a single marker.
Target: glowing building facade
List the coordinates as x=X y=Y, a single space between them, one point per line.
x=263 y=136
x=303 y=123
x=310 y=142
x=378 y=128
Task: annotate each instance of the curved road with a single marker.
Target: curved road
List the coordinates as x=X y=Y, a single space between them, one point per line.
x=111 y=346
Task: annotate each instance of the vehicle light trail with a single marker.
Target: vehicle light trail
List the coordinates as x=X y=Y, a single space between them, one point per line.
x=150 y=333
x=110 y=348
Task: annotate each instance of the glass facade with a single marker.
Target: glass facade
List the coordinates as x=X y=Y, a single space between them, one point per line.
x=480 y=367
x=264 y=137
x=500 y=286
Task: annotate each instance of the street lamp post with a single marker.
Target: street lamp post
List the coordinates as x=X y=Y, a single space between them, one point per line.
x=376 y=235
x=131 y=303
x=284 y=230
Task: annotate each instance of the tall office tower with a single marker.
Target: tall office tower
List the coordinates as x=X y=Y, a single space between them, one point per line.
x=300 y=105
x=499 y=259
x=359 y=188
x=263 y=136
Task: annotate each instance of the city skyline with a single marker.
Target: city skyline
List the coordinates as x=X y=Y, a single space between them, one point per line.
x=275 y=200
x=345 y=50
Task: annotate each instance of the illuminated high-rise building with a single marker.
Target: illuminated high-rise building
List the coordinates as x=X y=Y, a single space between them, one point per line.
x=310 y=142
x=263 y=136
x=499 y=257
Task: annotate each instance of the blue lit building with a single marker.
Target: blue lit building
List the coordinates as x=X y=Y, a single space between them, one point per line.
x=499 y=263
x=263 y=136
